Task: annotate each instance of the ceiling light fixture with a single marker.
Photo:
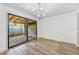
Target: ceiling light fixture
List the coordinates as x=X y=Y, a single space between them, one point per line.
x=40 y=12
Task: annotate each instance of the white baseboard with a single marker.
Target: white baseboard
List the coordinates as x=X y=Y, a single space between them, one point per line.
x=77 y=45
x=58 y=41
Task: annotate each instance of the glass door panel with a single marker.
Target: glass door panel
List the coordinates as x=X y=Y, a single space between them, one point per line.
x=17 y=30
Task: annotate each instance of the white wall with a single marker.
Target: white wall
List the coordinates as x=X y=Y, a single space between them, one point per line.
x=60 y=28
x=77 y=15
x=4 y=10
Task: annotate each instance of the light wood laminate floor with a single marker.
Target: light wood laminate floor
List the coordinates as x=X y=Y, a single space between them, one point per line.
x=43 y=47
x=17 y=40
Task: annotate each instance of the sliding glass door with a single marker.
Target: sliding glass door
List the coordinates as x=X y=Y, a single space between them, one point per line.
x=20 y=30
x=17 y=30
x=32 y=29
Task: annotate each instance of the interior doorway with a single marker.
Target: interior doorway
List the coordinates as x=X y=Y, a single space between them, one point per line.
x=20 y=30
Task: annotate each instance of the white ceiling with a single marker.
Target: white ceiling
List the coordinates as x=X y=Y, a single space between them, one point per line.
x=52 y=8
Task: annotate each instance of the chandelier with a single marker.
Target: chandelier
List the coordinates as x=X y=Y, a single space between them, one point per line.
x=40 y=12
